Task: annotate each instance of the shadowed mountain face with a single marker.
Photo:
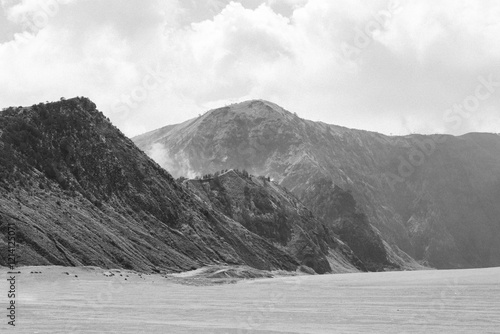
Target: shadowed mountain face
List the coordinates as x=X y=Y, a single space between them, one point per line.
x=78 y=192
x=271 y=212
x=434 y=198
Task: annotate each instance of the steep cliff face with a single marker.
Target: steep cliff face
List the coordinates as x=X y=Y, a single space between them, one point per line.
x=273 y=213
x=430 y=197
x=338 y=207
x=78 y=192
x=450 y=203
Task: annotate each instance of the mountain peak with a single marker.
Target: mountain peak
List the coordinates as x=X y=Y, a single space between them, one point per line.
x=221 y=119
x=259 y=108
x=48 y=110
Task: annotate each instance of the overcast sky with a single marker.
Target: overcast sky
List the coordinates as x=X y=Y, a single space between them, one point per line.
x=394 y=67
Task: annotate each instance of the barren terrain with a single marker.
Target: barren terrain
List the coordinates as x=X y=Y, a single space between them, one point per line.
x=94 y=300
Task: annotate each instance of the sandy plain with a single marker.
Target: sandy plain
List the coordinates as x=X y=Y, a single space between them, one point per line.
x=94 y=300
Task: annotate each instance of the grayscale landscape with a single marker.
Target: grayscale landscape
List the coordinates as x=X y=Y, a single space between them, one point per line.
x=444 y=301
x=249 y=166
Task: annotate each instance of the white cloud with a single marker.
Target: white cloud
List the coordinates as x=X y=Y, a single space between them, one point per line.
x=456 y=33
x=407 y=62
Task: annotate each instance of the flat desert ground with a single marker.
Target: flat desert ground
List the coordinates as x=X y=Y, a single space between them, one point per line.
x=90 y=300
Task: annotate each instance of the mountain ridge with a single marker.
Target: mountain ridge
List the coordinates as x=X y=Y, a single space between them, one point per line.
x=407 y=207
x=275 y=214
x=80 y=193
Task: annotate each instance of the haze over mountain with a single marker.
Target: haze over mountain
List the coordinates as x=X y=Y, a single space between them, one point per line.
x=435 y=198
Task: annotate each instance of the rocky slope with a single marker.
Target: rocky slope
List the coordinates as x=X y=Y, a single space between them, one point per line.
x=273 y=213
x=434 y=198
x=80 y=193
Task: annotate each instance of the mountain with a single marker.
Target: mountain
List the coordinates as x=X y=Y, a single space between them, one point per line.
x=431 y=198
x=78 y=192
x=273 y=213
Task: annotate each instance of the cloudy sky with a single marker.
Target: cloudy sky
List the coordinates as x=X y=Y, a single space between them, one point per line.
x=395 y=67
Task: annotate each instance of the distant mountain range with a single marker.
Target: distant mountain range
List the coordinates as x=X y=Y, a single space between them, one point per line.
x=256 y=185
x=81 y=193
x=393 y=200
